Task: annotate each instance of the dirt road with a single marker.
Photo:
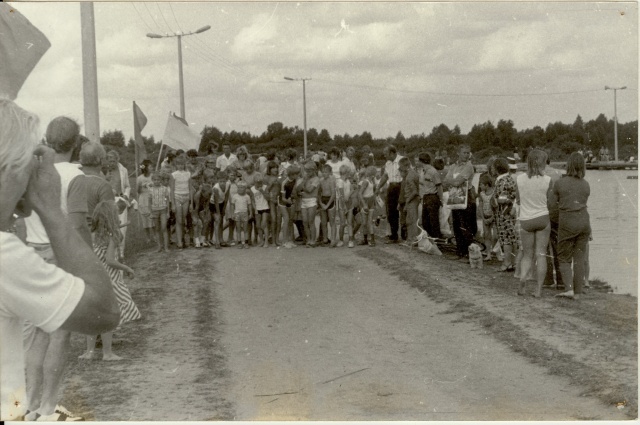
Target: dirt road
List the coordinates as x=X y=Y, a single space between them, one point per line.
x=349 y=334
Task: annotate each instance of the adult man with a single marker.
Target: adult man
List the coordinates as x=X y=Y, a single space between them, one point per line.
x=227 y=158
x=409 y=199
x=349 y=157
x=464 y=221
x=118 y=176
x=392 y=176
x=92 y=157
x=46 y=346
x=431 y=195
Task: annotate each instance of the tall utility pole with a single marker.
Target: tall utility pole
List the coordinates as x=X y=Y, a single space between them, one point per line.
x=304 y=107
x=179 y=35
x=89 y=72
x=615 y=116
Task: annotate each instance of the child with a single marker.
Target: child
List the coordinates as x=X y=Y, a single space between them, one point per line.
x=368 y=204
x=160 y=209
x=232 y=175
x=181 y=198
x=309 y=201
x=345 y=213
x=143 y=183
x=273 y=188
x=488 y=218
x=105 y=227
x=286 y=204
x=327 y=203
x=241 y=209
x=217 y=206
x=249 y=176
x=201 y=215
x=260 y=196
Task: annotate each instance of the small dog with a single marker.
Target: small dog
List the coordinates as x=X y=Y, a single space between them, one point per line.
x=475 y=256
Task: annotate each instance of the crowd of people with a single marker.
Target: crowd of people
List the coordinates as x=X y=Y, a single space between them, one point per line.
x=283 y=199
x=64 y=220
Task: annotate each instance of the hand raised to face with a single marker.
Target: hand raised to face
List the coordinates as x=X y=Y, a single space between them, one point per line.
x=43 y=191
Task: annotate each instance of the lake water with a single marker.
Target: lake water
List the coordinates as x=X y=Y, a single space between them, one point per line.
x=613 y=209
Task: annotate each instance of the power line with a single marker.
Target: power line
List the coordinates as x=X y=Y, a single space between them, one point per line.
x=221 y=60
x=174 y=18
x=204 y=55
x=163 y=18
x=372 y=87
x=152 y=18
x=140 y=16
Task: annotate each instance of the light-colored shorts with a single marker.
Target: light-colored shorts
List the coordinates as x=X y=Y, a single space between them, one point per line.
x=241 y=217
x=29 y=329
x=146 y=220
x=309 y=202
x=535 y=224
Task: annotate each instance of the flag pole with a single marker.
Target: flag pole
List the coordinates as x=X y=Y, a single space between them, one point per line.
x=135 y=142
x=159 y=155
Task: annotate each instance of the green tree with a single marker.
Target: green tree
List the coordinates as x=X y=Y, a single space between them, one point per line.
x=506 y=134
x=112 y=139
x=211 y=139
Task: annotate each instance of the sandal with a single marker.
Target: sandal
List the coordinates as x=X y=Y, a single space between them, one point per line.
x=507 y=268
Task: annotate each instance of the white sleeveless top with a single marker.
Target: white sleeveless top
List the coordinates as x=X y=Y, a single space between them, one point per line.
x=35 y=228
x=533 y=196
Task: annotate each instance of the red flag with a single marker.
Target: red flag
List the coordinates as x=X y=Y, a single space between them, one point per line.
x=139 y=121
x=21 y=47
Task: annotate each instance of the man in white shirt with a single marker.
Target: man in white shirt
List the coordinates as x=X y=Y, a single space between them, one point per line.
x=349 y=155
x=392 y=176
x=465 y=224
x=75 y=296
x=227 y=158
x=46 y=352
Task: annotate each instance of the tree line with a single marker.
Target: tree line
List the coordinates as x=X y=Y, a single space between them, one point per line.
x=485 y=140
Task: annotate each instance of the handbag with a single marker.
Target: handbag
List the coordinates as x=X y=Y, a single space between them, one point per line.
x=458 y=197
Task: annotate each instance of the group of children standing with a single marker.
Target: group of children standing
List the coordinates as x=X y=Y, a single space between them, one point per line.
x=203 y=203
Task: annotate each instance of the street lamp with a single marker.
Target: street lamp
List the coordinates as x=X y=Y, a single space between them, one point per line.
x=615 y=116
x=304 y=107
x=180 y=35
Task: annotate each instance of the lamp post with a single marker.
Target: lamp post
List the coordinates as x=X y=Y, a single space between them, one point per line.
x=179 y=35
x=304 y=107
x=615 y=116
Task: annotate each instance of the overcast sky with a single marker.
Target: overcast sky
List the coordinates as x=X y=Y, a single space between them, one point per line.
x=378 y=67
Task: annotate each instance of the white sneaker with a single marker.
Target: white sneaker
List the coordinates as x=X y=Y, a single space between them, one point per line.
x=340 y=243
x=351 y=244
x=60 y=415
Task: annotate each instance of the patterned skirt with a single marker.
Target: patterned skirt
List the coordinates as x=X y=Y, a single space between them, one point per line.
x=128 y=309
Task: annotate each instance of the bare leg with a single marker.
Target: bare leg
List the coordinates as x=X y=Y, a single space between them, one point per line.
x=34 y=360
x=107 y=343
x=542 y=242
x=323 y=225
x=53 y=370
x=91 y=347
x=528 y=248
x=332 y=223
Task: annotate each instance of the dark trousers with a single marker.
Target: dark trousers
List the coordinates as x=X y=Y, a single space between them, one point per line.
x=552 y=260
x=465 y=228
x=393 y=215
x=431 y=215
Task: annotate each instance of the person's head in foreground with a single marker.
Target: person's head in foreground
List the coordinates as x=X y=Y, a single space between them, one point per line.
x=77 y=296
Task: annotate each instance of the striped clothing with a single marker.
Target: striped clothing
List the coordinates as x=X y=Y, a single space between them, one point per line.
x=159 y=198
x=128 y=309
